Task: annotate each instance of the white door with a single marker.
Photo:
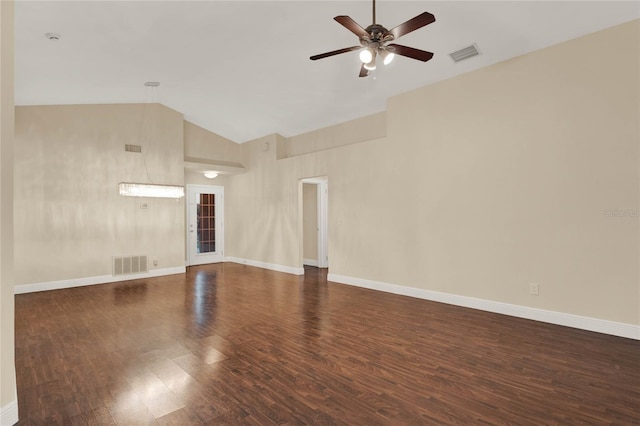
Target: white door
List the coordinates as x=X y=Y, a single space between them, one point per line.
x=205 y=224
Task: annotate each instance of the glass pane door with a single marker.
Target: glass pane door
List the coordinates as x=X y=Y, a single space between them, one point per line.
x=205 y=224
x=206 y=218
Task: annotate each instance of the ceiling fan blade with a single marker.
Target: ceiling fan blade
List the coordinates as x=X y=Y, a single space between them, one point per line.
x=352 y=26
x=335 y=52
x=363 y=71
x=412 y=24
x=410 y=52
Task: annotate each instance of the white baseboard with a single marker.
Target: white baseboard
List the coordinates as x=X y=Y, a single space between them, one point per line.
x=9 y=414
x=103 y=279
x=630 y=331
x=280 y=268
x=310 y=262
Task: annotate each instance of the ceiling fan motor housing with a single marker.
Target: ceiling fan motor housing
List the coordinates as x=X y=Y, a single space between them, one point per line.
x=377 y=33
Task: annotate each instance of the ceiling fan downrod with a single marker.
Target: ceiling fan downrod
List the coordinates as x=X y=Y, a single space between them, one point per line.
x=374 y=12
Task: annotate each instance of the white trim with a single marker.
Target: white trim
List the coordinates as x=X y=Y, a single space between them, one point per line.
x=323 y=221
x=280 y=268
x=310 y=262
x=103 y=279
x=322 y=190
x=620 y=329
x=9 y=414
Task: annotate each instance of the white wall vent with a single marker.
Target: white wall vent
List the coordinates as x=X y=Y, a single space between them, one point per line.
x=466 y=53
x=126 y=265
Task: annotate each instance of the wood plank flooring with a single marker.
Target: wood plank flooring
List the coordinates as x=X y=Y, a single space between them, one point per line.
x=233 y=344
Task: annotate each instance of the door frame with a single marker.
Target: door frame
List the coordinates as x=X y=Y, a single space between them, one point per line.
x=219 y=190
x=322 y=185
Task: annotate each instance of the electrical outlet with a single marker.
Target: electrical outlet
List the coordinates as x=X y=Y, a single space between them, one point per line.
x=155 y=262
x=534 y=289
x=144 y=205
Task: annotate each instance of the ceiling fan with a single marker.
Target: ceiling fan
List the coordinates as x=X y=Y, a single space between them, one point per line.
x=375 y=38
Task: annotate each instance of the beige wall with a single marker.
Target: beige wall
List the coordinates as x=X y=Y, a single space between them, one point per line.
x=310 y=221
x=7 y=364
x=261 y=207
x=484 y=183
x=201 y=143
x=70 y=219
x=362 y=129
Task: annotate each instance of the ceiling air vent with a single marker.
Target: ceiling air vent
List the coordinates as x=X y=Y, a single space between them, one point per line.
x=465 y=53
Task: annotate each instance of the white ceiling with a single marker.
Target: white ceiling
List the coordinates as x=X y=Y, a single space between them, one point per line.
x=241 y=69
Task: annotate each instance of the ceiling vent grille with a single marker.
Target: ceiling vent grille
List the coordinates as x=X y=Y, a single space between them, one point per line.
x=133 y=148
x=466 y=53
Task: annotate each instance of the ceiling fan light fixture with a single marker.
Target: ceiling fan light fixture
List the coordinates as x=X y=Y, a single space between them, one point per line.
x=366 y=56
x=387 y=57
x=371 y=65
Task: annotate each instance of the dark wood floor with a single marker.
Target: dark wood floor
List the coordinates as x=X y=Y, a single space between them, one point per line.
x=232 y=344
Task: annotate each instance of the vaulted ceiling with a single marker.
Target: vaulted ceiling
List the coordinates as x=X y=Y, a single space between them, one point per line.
x=241 y=68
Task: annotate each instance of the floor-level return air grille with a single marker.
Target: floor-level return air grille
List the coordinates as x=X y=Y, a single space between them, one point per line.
x=125 y=265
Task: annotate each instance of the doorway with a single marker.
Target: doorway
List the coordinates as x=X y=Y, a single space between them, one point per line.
x=314 y=197
x=205 y=224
